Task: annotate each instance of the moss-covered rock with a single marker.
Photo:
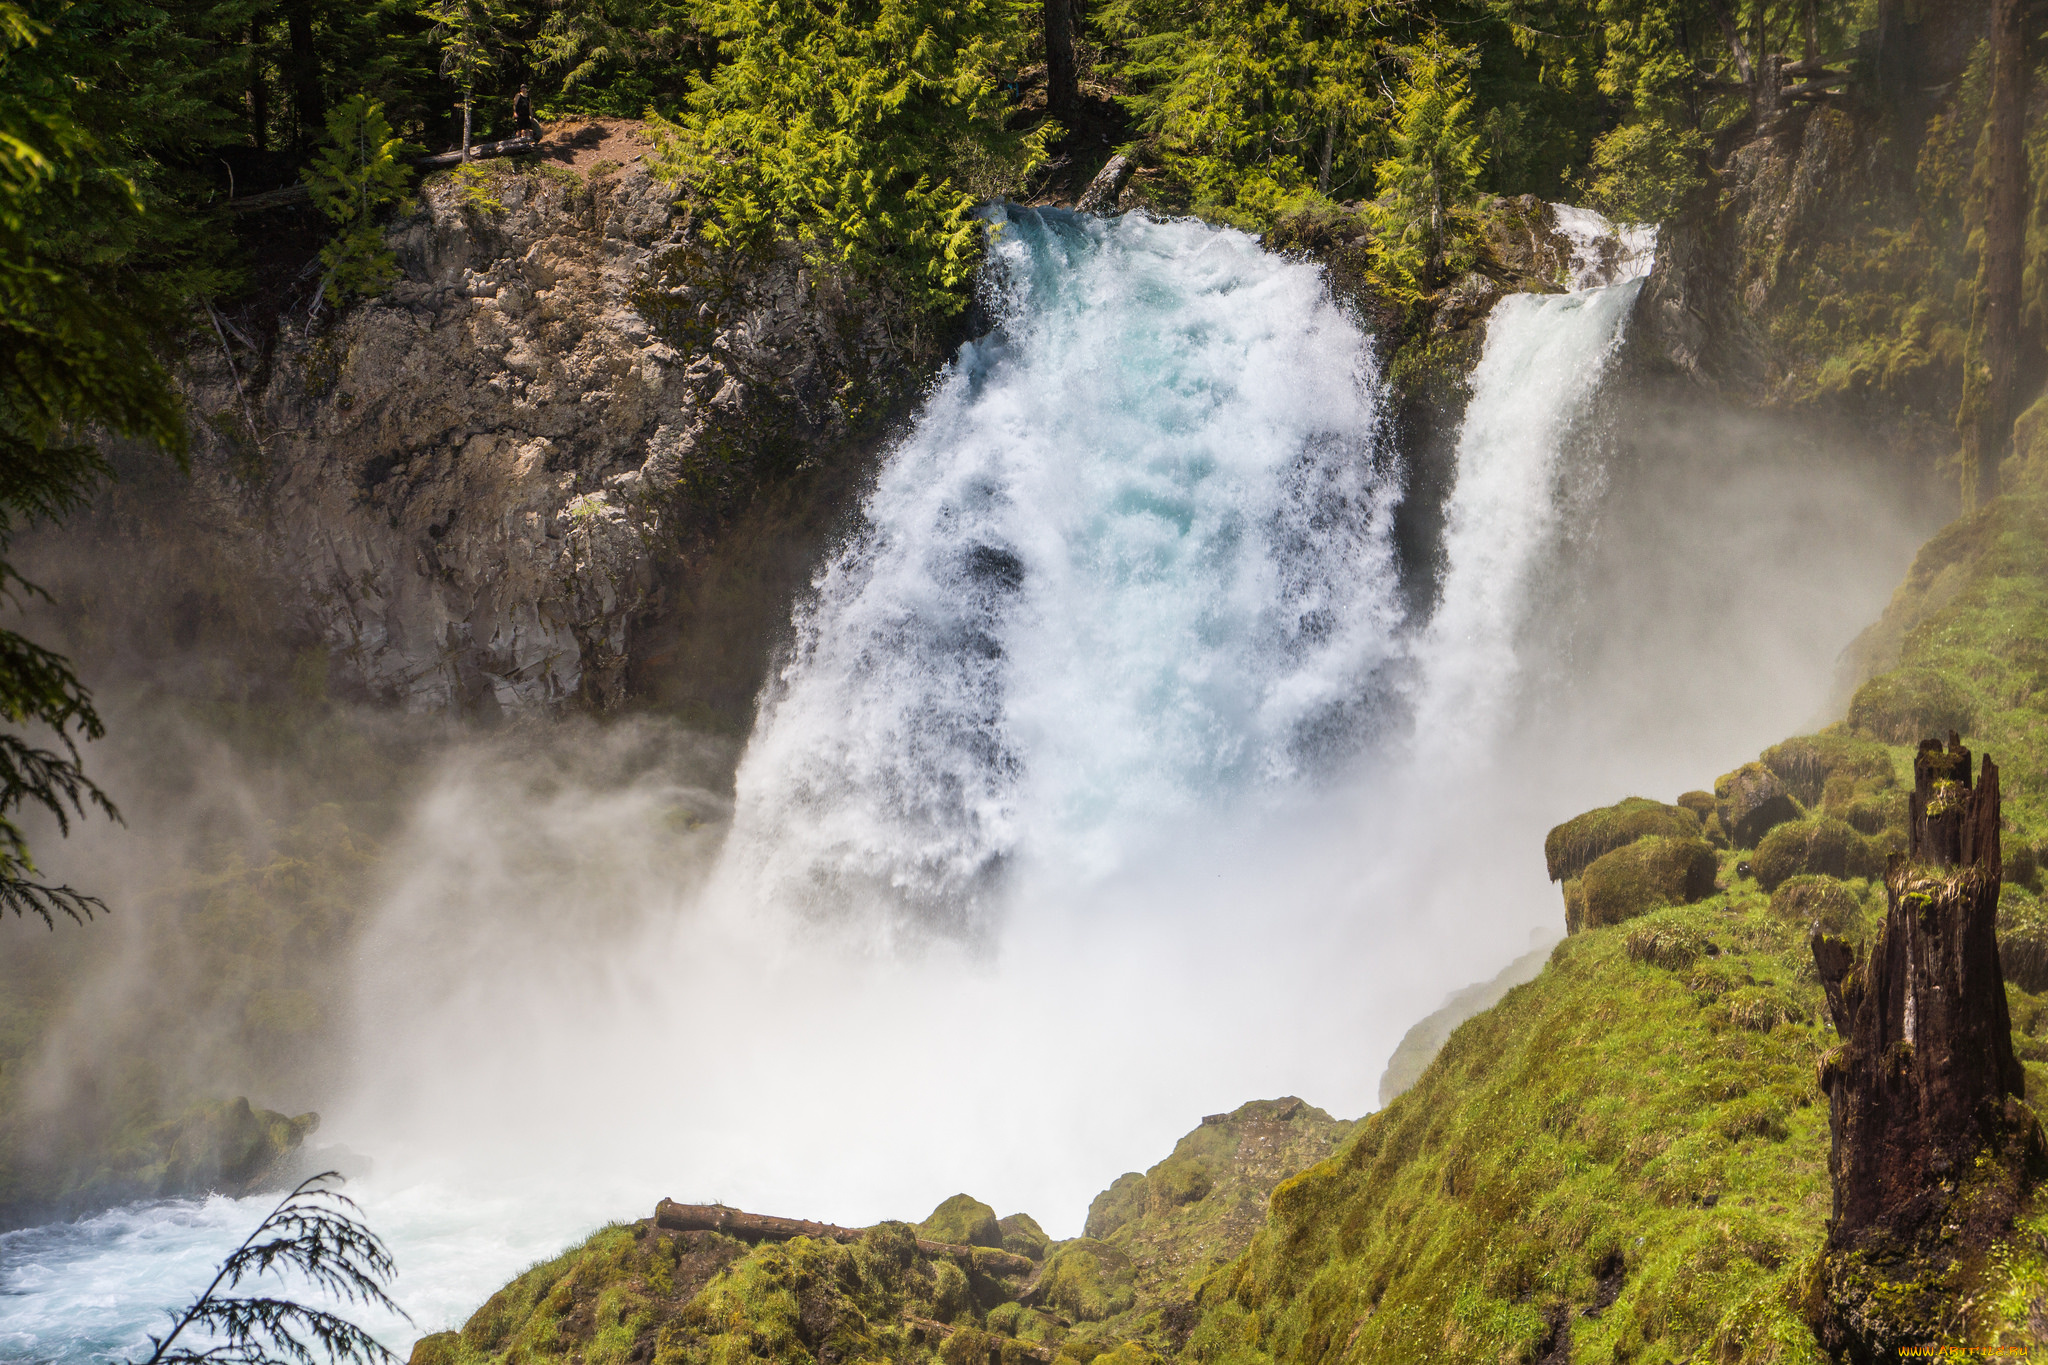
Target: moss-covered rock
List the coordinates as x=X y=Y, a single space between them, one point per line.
x=1022 y=1235
x=1817 y=845
x=1088 y=1280
x=963 y=1220
x=1910 y=704
x=2023 y=940
x=1820 y=902
x=1751 y=801
x=1573 y=846
x=1814 y=766
x=1640 y=877
x=1700 y=803
x=1122 y=1202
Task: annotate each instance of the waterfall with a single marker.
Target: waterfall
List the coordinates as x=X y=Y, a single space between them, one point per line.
x=1516 y=490
x=1132 y=562
x=1118 y=603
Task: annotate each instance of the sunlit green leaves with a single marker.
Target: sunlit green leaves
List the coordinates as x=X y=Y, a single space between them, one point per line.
x=837 y=125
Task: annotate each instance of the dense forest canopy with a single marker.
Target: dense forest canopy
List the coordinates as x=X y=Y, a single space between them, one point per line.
x=874 y=124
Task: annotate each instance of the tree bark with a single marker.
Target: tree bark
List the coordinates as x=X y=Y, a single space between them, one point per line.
x=1062 y=91
x=1990 y=386
x=1930 y=1149
x=467 y=101
x=259 y=89
x=310 y=103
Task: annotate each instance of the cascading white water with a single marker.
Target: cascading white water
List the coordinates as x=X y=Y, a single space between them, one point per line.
x=1131 y=568
x=1544 y=358
x=1132 y=562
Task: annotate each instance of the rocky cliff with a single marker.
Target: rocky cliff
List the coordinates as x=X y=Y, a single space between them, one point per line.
x=495 y=485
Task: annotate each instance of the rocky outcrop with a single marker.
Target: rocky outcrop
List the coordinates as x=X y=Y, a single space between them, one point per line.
x=211 y=1147
x=478 y=488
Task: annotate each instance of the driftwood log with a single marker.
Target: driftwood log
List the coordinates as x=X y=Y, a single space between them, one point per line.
x=1931 y=1148
x=757 y=1227
x=748 y=1227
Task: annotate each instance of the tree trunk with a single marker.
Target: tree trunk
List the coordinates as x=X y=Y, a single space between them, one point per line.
x=467 y=100
x=1329 y=154
x=1991 y=383
x=259 y=89
x=1931 y=1149
x=309 y=102
x=1062 y=92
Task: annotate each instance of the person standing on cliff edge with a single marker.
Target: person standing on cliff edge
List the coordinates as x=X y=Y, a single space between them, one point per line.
x=522 y=117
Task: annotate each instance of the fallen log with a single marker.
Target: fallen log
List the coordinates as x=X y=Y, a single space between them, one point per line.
x=751 y=1227
x=761 y=1227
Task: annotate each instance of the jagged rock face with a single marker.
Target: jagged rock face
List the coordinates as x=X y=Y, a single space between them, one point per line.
x=473 y=485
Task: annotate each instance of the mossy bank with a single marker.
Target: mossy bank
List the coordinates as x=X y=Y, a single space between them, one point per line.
x=1625 y=1159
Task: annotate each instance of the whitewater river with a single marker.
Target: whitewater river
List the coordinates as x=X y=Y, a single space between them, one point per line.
x=1106 y=784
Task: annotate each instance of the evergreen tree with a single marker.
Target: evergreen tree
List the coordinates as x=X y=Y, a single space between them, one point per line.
x=620 y=57
x=471 y=33
x=844 y=125
x=75 y=356
x=1254 y=107
x=360 y=171
x=1422 y=219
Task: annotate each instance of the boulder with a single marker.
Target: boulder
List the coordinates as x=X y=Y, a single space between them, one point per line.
x=1086 y=1279
x=1818 y=845
x=962 y=1220
x=1817 y=902
x=1835 y=766
x=1572 y=846
x=1751 y=801
x=1631 y=881
x=1023 y=1236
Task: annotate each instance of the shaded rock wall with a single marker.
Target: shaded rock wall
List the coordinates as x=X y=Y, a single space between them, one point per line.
x=484 y=487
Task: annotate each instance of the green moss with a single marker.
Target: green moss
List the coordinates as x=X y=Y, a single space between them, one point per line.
x=1911 y=704
x=1818 y=846
x=2023 y=939
x=1022 y=1235
x=1088 y=1280
x=1572 y=846
x=1809 y=901
x=963 y=1220
x=1636 y=879
x=1122 y=1202
x=1609 y=1123
x=1831 y=768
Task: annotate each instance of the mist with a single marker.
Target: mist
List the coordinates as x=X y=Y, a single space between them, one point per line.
x=565 y=994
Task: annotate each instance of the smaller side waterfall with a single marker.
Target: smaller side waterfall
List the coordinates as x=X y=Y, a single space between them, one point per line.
x=1544 y=358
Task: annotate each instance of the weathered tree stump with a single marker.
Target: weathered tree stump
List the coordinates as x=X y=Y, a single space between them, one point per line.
x=1932 y=1149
